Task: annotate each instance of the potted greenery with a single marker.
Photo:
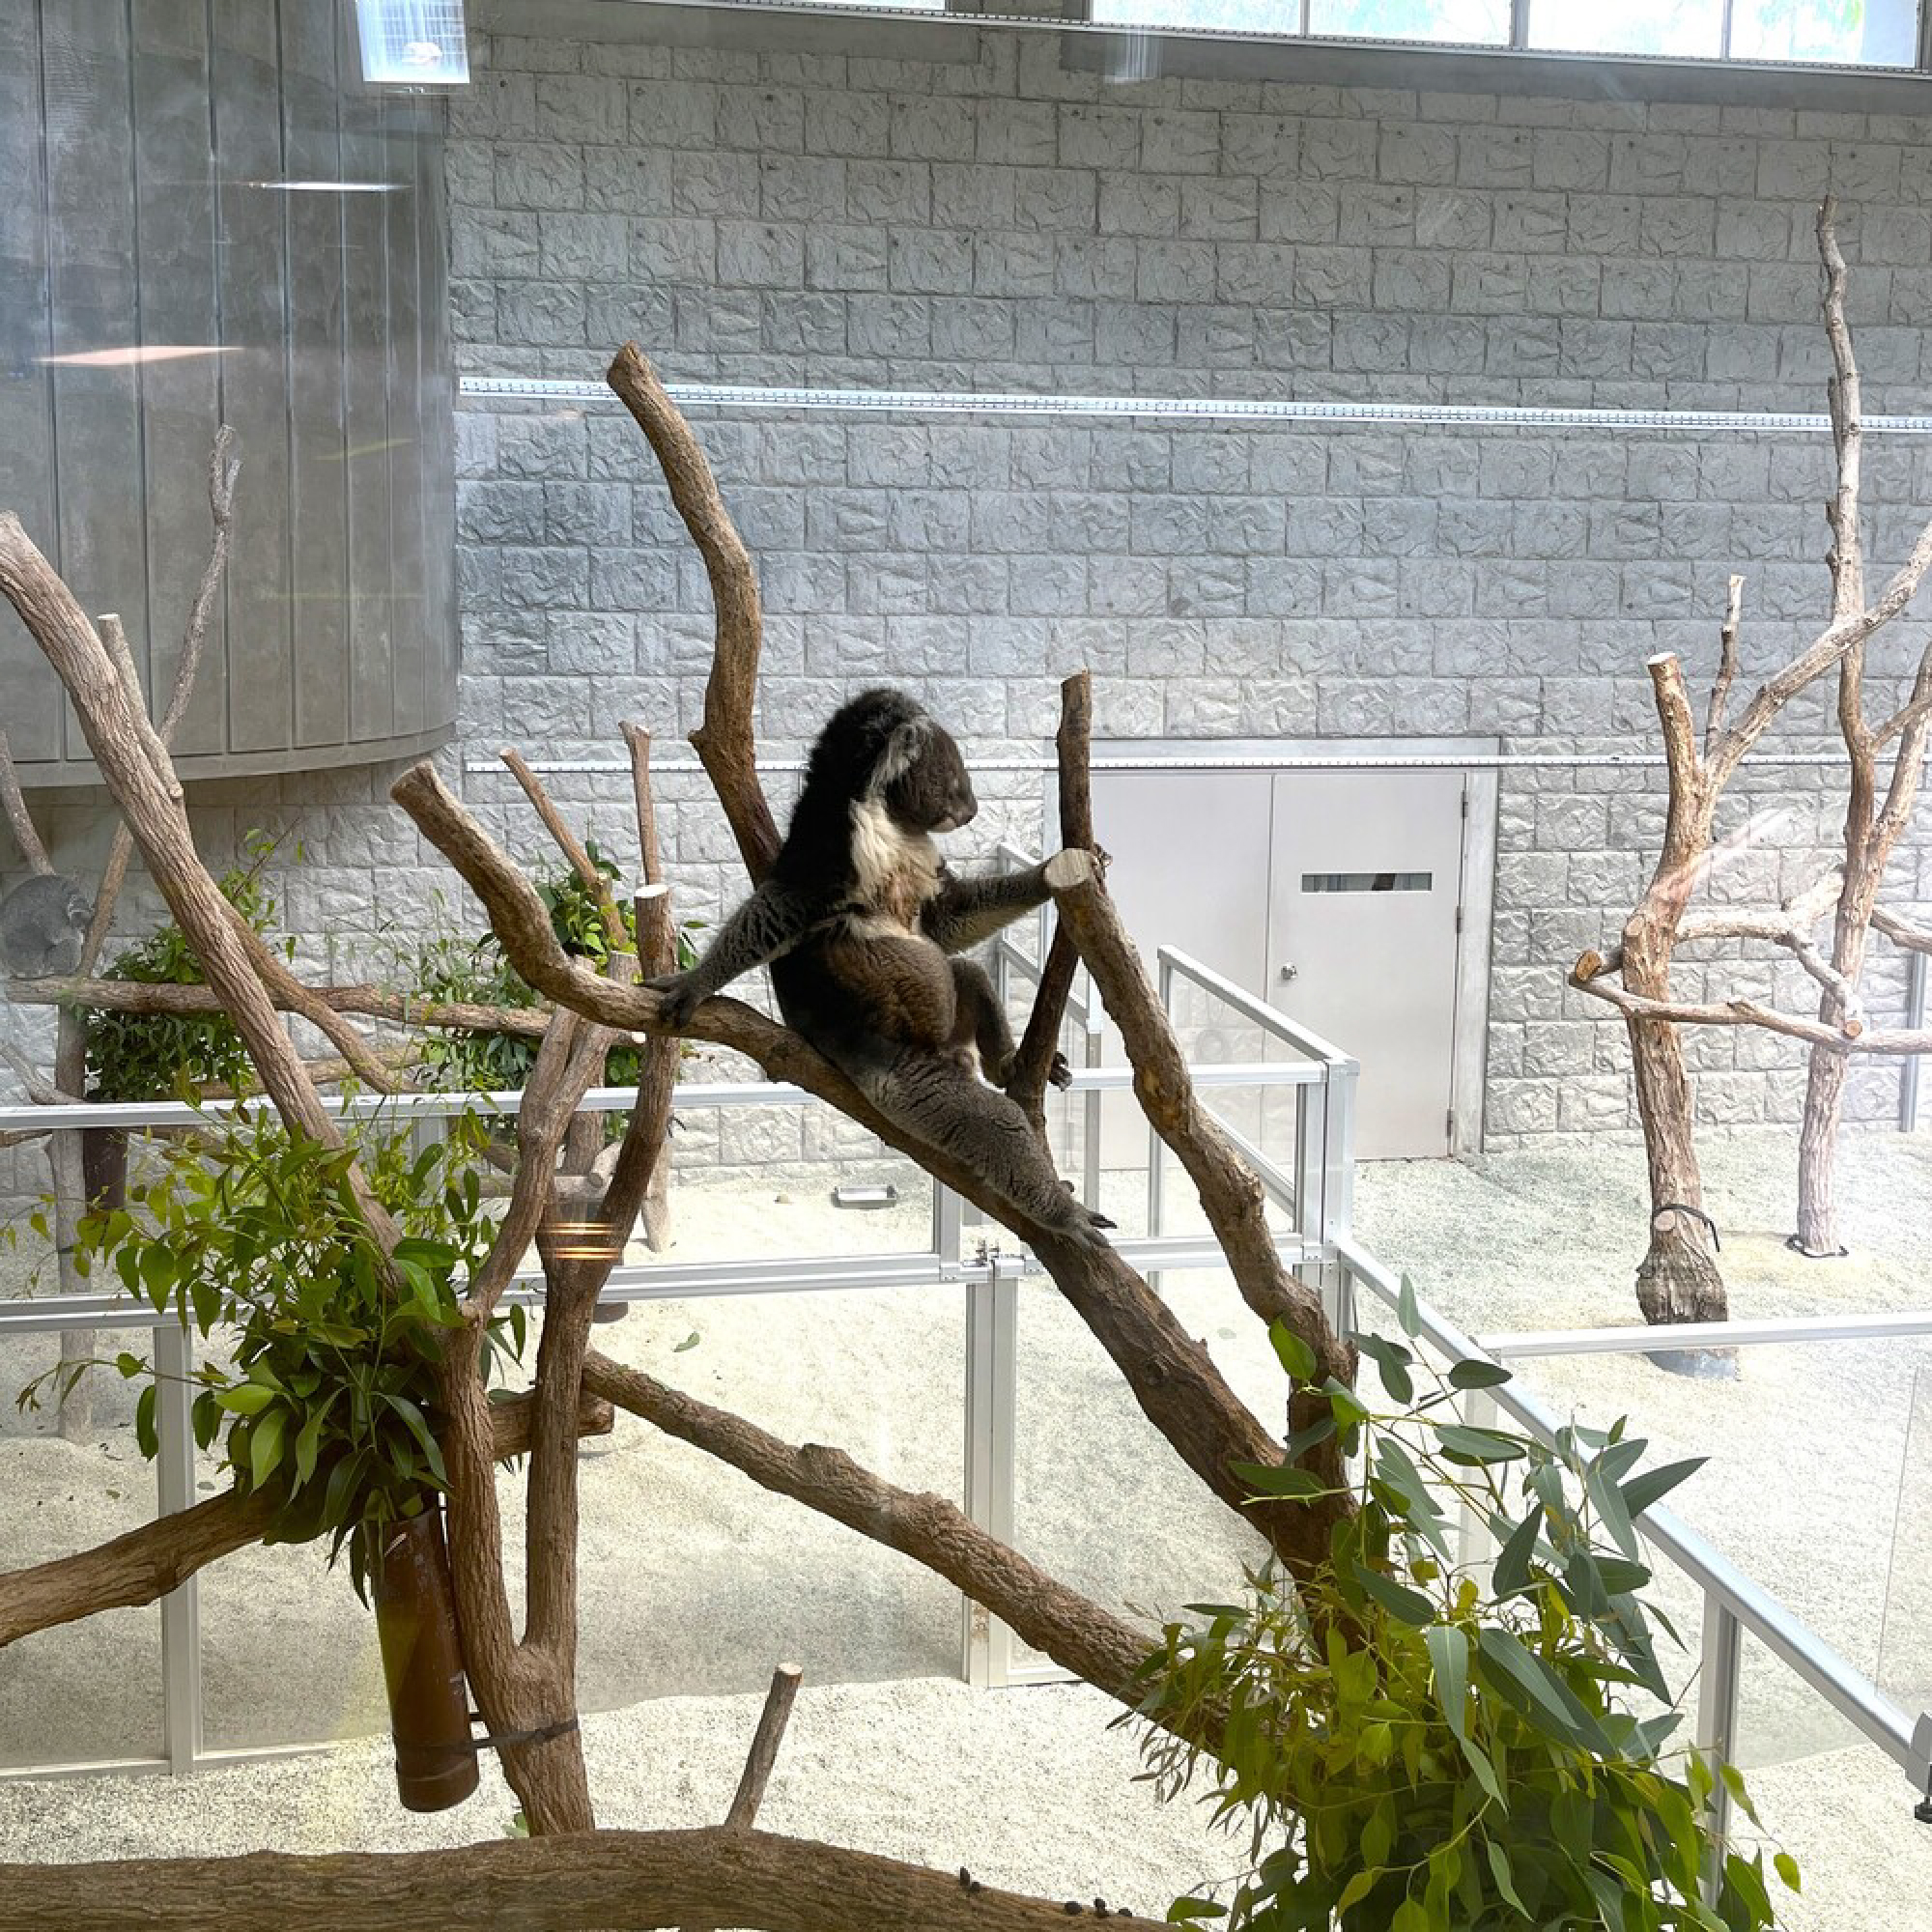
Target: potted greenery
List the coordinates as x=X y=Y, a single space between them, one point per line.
x=1421 y=1744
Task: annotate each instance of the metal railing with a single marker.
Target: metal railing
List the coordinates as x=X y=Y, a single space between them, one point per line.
x=1733 y=1603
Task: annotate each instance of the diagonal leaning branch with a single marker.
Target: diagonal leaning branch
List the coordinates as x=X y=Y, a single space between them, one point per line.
x=142 y=1566
x=1177 y=1385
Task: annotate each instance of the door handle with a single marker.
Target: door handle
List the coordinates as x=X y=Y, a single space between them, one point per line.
x=1289 y=972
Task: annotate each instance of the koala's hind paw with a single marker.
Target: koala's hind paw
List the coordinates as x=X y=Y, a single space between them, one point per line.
x=678 y=997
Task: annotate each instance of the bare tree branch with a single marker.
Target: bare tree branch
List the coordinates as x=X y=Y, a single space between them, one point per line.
x=1728 y=661
x=725 y=742
x=13 y=802
x=615 y=1881
x=1041 y=1039
x=142 y=1566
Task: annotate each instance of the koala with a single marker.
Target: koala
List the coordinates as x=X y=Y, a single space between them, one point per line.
x=859 y=922
x=42 y=925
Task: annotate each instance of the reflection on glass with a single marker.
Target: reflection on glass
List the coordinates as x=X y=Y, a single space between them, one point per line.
x=1483 y=21
x=1687 y=29
x=90 y=1690
x=1866 y=32
x=1227 y=17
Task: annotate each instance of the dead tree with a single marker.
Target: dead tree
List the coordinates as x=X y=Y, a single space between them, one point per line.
x=1678 y=1278
x=525 y=1682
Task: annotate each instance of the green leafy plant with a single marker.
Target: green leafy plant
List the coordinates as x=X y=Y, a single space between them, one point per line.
x=1419 y=1744
x=448 y=969
x=159 y=1056
x=328 y=1406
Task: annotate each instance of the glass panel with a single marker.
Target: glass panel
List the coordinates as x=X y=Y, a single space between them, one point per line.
x=1840 y=1807
x=1905 y=1635
x=90 y=1690
x=1235 y=16
x=1690 y=29
x=1866 y=32
x=1485 y=21
x=412 y=42
x=1071 y=1498
x=696 y=1581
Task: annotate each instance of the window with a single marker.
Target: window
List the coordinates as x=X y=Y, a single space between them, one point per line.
x=1859 y=32
x=1470 y=21
x=1368 y=882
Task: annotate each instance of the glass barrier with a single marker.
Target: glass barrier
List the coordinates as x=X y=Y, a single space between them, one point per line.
x=89 y=1689
x=1839 y=1805
x=696 y=1581
x=1087 y=1462
x=1905 y=1631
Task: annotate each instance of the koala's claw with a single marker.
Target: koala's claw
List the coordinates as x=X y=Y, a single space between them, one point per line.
x=677 y=997
x=1059 y=1073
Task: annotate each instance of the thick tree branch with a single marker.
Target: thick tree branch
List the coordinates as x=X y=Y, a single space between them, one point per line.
x=143 y=1564
x=725 y=742
x=613 y=1881
x=1041 y=1039
x=133 y=996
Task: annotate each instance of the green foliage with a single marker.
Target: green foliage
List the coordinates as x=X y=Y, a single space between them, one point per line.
x=159 y=1056
x=447 y=969
x=1419 y=1746
x=327 y=1407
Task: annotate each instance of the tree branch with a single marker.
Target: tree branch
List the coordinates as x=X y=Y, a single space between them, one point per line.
x=1728 y=661
x=725 y=742
x=142 y=1566
x=620 y=1881
x=13 y=803
x=1041 y=1039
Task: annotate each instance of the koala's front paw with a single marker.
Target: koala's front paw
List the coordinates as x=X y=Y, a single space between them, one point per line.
x=678 y=996
x=1060 y=1073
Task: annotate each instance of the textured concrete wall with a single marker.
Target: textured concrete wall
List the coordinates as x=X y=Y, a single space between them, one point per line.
x=999 y=223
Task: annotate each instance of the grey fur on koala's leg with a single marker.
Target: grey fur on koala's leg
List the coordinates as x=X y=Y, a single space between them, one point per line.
x=986 y=1132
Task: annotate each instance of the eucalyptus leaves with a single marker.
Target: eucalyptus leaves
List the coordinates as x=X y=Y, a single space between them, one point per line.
x=252 y=1236
x=1419 y=1744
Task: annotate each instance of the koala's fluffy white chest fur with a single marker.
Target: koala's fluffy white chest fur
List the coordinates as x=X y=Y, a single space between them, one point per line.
x=898 y=871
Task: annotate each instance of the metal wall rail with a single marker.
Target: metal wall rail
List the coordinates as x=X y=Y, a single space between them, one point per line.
x=1733 y=1601
x=996 y=404
x=1649 y=1341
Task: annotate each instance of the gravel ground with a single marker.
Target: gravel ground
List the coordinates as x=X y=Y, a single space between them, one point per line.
x=695 y=1582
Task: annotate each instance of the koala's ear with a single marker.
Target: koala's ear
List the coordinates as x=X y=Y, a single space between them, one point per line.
x=903 y=751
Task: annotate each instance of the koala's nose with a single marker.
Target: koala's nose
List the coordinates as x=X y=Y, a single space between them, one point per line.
x=965 y=808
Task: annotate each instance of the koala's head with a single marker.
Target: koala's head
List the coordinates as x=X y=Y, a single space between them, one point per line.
x=904 y=758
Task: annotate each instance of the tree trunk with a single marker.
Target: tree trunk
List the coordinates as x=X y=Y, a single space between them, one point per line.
x=1677 y=1280
x=1818 y=1155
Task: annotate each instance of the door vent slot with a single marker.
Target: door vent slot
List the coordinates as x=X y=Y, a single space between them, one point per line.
x=1368 y=882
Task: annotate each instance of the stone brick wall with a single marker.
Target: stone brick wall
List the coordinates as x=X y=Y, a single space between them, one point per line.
x=997 y=223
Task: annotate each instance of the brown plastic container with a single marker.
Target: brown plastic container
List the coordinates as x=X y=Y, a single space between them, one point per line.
x=422 y=1660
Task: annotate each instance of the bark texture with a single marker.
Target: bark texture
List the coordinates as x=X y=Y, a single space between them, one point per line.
x=594 y=1882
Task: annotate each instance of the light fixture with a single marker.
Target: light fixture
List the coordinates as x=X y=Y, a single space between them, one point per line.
x=130 y=353
x=328 y=187
x=412 y=42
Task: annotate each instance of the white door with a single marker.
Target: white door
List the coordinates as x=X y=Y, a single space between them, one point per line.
x=1365 y=883
x=1188 y=867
